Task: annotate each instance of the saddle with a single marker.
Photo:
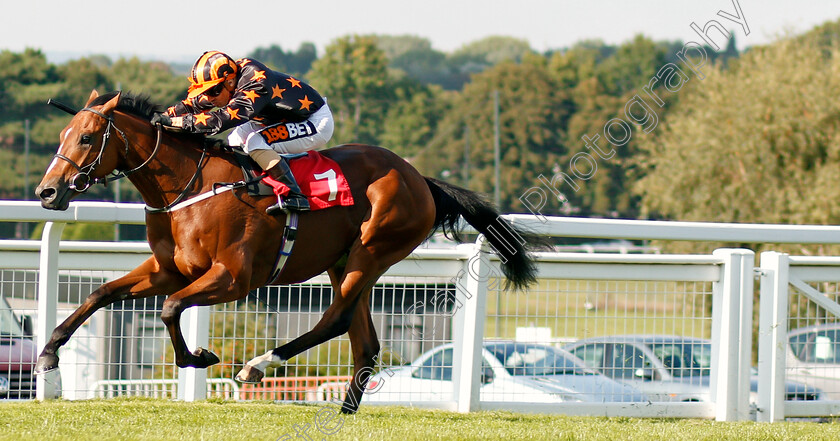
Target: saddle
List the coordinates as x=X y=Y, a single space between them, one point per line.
x=319 y=177
x=253 y=174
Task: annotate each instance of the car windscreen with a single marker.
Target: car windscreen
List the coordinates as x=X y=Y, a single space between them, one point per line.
x=535 y=359
x=684 y=359
x=9 y=325
x=818 y=346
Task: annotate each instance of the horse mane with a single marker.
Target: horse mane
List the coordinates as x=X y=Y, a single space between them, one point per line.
x=135 y=104
x=141 y=105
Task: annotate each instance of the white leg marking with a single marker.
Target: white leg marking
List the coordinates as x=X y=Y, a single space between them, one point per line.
x=266 y=361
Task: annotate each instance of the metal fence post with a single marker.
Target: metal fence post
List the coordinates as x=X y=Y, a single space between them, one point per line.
x=47 y=385
x=469 y=329
x=772 y=336
x=195 y=324
x=732 y=335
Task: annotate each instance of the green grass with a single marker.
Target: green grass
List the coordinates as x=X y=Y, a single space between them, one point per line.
x=146 y=419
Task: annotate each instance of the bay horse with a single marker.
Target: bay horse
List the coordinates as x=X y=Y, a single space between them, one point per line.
x=220 y=248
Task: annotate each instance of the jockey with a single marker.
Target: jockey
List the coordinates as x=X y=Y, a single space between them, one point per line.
x=272 y=113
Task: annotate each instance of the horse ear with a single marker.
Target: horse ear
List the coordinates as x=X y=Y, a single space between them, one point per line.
x=111 y=104
x=93 y=95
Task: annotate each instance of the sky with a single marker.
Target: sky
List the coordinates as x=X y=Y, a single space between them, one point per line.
x=181 y=31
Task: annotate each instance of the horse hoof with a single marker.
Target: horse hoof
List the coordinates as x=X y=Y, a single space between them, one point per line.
x=46 y=364
x=349 y=410
x=204 y=358
x=249 y=374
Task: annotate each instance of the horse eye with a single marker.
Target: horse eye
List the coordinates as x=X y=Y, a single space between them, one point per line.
x=85 y=139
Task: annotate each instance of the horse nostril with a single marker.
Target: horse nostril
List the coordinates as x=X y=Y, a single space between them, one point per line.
x=47 y=194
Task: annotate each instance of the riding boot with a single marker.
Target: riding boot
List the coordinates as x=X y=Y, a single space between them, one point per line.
x=294 y=200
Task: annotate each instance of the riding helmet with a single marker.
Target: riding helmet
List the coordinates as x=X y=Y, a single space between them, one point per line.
x=212 y=68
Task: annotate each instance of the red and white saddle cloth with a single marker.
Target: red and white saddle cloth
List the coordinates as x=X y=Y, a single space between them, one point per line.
x=320 y=179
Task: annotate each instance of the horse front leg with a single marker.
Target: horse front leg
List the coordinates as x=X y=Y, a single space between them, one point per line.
x=218 y=285
x=147 y=280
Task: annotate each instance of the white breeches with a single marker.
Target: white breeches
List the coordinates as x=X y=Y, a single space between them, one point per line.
x=312 y=134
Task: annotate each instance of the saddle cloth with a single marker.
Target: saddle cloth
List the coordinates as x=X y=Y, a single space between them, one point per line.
x=319 y=178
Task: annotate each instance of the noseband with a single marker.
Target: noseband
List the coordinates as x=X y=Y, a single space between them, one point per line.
x=81 y=181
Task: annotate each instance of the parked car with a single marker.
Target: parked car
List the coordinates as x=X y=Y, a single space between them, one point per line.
x=666 y=368
x=18 y=354
x=511 y=371
x=813 y=358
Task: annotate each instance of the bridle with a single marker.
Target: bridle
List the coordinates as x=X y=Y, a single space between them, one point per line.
x=81 y=181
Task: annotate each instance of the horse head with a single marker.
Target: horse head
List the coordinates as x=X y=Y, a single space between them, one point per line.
x=84 y=156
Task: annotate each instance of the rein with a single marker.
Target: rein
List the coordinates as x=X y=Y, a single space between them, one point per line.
x=81 y=181
x=186 y=188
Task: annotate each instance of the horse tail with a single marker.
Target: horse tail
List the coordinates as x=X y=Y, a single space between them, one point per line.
x=510 y=243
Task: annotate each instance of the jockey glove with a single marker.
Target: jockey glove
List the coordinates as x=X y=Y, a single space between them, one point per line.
x=162 y=119
x=168 y=121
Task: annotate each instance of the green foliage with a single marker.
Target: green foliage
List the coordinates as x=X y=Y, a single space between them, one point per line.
x=396 y=46
x=413 y=117
x=493 y=50
x=416 y=57
x=759 y=142
x=601 y=80
x=631 y=66
x=84 y=75
x=155 y=79
x=531 y=119
x=353 y=76
x=293 y=63
x=13 y=179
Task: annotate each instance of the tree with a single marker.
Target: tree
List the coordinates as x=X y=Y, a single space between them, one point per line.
x=79 y=77
x=494 y=50
x=416 y=57
x=631 y=66
x=153 y=78
x=294 y=63
x=758 y=142
x=396 y=46
x=601 y=79
x=413 y=118
x=532 y=121
x=26 y=81
x=353 y=76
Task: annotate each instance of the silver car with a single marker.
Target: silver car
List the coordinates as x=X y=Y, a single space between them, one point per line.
x=666 y=368
x=512 y=371
x=813 y=358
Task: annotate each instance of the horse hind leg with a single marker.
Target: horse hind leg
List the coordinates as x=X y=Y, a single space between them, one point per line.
x=394 y=228
x=348 y=285
x=254 y=370
x=365 y=346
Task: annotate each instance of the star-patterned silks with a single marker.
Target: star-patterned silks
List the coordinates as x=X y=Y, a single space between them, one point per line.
x=201 y=118
x=305 y=103
x=261 y=94
x=251 y=95
x=258 y=75
x=277 y=92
